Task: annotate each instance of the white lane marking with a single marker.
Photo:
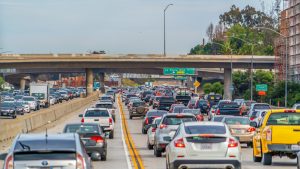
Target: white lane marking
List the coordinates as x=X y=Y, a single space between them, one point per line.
x=123 y=139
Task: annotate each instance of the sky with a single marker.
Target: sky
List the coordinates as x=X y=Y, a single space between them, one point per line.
x=116 y=26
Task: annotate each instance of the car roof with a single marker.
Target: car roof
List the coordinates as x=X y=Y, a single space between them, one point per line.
x=94 y=108
x=204 y=123
x=28 y=137
x=83 y=124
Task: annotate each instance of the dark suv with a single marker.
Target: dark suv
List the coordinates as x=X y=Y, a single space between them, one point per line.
x=138 y=108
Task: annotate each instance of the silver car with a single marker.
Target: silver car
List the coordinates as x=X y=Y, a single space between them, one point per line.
x=47 y=151
x=151 y=132
x=167 y=128
x=203 y=145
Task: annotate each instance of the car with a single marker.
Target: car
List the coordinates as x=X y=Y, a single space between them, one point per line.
x=155 y=101
x=191 y=103
x=137 y=108
x=147 y=98
x=145 y=93
x=173 y=105
x=128 y=96
x=100 y=116
x=106 y=98
x=182 y=98
x=203 y=145
x=257 y=115
x=195 y=112
x=150 y=116
x=277 y=135
x=52 y=100
x=166 y=130
x=218 y=118
x=203 y=105
x=178 y=109
x=245 y=106
x=165 y=103
x=151 y=132
x=64 y=94
x=50 y=150
x=212 y=112
x=25 y=105
x=18 y=97
x=92 y=137
x=258 y=107
x=240 y=128
x=8 y=109
x=32 y=101
x=296 y=106
x=213 y=99
x=19 y=107
x=228 y=108
x=107 y=105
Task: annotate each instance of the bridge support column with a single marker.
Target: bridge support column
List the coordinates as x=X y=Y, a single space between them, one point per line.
x=89 y=81
x=22 y=84
x=227 y=83
x=101 y=80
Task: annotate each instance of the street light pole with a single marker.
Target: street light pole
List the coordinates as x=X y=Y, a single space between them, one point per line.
x=165 y=27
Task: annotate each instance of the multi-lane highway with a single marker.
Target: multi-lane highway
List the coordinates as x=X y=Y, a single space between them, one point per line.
x=120 y=157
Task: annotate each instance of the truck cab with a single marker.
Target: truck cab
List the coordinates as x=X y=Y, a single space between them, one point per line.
x=278 y=134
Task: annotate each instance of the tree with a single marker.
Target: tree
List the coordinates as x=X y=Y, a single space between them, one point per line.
x=207 y=88
x=217 y=87
x=210 y=31
x=1 y=83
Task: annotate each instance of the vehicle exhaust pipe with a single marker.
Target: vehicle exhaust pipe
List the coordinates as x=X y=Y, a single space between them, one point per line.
x=183 y=167
x=229 y=167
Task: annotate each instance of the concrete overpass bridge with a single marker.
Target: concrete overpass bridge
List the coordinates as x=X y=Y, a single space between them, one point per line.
x=131 y=63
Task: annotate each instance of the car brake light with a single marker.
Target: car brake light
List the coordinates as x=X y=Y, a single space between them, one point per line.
x=110 y=121
x=146 y=121
x=213 y=111
x=153 y=129
x=179 y=143
x=252 y=118
x=289 y=111
x=251 y=129
x=97 y=139
x=162 y=126
x=218 y=112
x=9 y=162
x=82 y=120
x=79 y=162
x=179 y=115
x=232 y=143
x=269 y=135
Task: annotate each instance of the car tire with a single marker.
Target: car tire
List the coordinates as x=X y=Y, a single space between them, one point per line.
x=250 y=145
x=266 y=158
x=157 y=153
x=111 y=135
x=14 y=117
x=149 y=146
x=144 y=131
x=130 y=117
x=103 y=157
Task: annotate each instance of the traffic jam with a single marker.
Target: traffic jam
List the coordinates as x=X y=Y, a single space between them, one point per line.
x=186 y=129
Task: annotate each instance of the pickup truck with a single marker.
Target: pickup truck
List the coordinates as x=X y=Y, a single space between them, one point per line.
x=278 y=134
x=165 y=103
x=100 y=116
x=228 y=108
x=184 y=99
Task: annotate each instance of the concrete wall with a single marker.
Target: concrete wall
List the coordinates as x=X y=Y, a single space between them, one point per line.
x=10 y=128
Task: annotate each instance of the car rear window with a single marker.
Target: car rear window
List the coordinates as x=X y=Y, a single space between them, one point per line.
x=77 y=128
x=212 y=139
x=237 y=121
x=41 y=145
x=284 y=119
x=107 y=106
x=261 y=106
x=156 y=113
x=96 y=113
x=218 y=118
x=229 y=105
x=183 y=97
x=179 y=109
x=137 y=104
x=167 y=99
x=205 y=129
x=49 y=155
x=177 y=120
x=192 y=111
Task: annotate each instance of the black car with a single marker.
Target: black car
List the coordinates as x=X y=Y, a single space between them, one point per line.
x=93 y=138
x=150 y=116
x=19 y=108
x=203 y=105
x=8 y=109
x=165 y=103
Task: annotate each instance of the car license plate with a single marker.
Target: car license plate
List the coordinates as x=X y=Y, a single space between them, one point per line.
x=4 y=114
x=205 y=146
x=295 y=147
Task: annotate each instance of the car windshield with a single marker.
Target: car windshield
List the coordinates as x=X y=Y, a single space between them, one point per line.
x=177 y=120
x=261 y=106
x=218 y=118
x=137 y=104
x=79 y=128
x=7 y=104
x=205 y=129
x=156 y=113
x=105 y=98
x=96 y=113
x=107 y=106
x=237 y=121
x=19 y=103
x=28 y=99
x=284 y=119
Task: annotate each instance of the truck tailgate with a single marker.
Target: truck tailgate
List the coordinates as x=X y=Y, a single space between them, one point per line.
x=285 y=134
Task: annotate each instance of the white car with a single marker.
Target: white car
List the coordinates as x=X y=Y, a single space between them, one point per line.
x=32 y=102
x=151 y=133
x=101 y=116
x=52 y=100
x=203 y=145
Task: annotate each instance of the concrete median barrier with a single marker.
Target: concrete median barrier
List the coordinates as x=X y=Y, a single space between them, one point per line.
x=10 y=128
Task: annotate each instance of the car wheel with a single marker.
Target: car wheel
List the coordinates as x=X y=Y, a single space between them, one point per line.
x=103 y=157
x=144 y=131
x=266 y=159
x=130 y=117
x=157 y=153
x=14 y=116
x=250 y=145
x=111 y=135
x=150 y=147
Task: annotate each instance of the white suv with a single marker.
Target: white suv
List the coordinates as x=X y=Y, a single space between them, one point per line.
x=203 y=145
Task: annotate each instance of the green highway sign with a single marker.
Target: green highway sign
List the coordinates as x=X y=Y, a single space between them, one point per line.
x=179 y=71
x=262 y=87
x=180 y=77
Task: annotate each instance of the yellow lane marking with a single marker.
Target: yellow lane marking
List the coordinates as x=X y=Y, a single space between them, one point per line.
x=133 y=152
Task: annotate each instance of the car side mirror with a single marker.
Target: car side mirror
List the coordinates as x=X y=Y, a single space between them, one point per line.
x=3 y=156
x=80 y=115
x=253 y=124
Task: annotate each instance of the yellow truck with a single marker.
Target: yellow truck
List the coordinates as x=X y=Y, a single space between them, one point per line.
x=277 y=134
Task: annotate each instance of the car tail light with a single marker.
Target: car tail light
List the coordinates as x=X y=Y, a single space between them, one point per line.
x=269 y=135
x=97 y=139
x=213 y=111
x=110 y=121
x=252 y=118
x=82 y=120
x=162 y=126
x=251 y=129
x=289 y=111
x=147 y=121
x=179 y=143
x=232 y=143
x=153 y=129
x=79 y=162
x=200 y=117
x=218 y=112
x=9 y=162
